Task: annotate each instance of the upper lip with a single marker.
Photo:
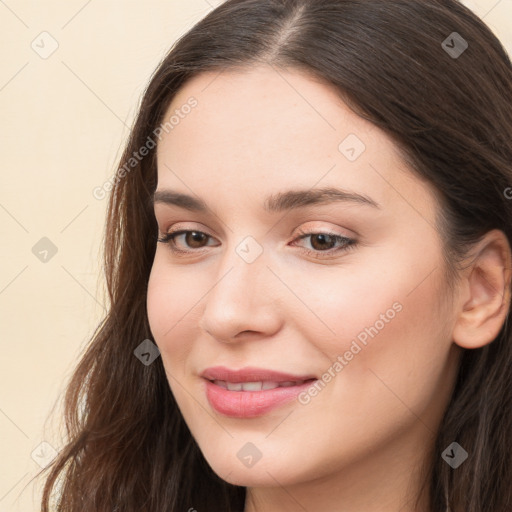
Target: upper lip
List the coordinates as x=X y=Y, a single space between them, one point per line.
x=251 y=374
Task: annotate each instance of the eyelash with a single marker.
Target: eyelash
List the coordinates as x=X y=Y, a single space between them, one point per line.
x=348 y=243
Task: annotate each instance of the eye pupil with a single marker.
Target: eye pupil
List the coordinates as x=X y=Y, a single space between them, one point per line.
x=322 y=237
x=196 y=236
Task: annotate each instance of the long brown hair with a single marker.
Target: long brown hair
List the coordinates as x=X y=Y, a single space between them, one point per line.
x=128 y=447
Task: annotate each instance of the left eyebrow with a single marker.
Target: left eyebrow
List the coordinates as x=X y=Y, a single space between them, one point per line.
x=291 y=199
x=299 y=198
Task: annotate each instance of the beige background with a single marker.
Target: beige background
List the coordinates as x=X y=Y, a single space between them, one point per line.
x=64 y=119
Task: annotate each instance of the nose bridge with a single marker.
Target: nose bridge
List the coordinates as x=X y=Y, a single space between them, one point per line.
x=243 y=266
x=240 y=275
x=238 y=300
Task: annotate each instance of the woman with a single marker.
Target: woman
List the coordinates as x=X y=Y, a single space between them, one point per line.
x=309 y=268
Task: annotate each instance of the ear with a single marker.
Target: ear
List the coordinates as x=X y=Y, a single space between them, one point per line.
x=484 y=292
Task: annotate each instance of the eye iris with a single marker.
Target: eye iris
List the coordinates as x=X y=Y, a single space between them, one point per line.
x=322 y=237
x=195 y=236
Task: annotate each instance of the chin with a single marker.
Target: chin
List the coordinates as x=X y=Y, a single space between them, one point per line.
x=251 y=477
x=259 y=475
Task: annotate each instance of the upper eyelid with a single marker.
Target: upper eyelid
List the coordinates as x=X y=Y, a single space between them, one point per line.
x=349 y=233
x=301 y=232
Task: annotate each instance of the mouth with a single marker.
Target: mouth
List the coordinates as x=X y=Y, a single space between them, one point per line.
x=238 y=396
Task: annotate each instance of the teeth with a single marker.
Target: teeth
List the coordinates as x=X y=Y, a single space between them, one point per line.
x=220 y=383
x=234 y=386
x=251 y=386
x=255 y=386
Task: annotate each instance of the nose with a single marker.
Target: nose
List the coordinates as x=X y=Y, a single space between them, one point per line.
x=242 y=302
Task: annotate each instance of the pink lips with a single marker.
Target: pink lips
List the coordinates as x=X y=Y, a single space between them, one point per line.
x=250 y=404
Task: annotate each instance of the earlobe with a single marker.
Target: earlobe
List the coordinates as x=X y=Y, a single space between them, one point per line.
x=485 y=301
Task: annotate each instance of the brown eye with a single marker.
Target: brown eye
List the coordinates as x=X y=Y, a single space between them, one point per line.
x=322 y=241
x=195 y=238
x=324 y=244
x=192 y=240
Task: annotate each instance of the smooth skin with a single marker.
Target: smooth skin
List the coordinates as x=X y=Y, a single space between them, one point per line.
x=358 y=445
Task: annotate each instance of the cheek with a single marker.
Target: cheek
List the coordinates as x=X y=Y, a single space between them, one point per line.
x=386 y=322
x=398 y=376
x=170 y=305
x=159 y=300
x=384 y=290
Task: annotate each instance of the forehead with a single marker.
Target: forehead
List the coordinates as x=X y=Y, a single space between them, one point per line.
x=267 y=108
x=262 y=129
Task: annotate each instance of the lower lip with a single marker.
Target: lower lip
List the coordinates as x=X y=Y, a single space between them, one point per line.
x=250 y=404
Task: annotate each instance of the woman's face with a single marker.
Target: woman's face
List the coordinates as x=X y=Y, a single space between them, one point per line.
x=364 y=314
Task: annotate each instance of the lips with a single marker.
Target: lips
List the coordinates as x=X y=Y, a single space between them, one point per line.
x=252 y=374
x=251 y=392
